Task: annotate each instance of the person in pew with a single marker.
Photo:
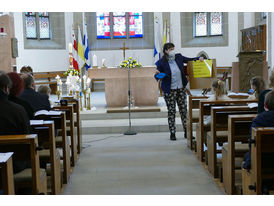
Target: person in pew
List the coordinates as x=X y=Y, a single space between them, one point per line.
x=16 y=90
x=36 y=100
x=26 y=69
x=264 y=119
x=174 y=82
x=257 y=85
x=219 y=90
x=263 y=93
x=13 y=118
x=44 y=89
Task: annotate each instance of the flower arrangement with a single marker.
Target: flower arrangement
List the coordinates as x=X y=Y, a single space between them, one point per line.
x=130 y=63
x=72 y=71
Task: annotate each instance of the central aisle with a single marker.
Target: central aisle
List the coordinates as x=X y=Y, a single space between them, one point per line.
x=143 y=164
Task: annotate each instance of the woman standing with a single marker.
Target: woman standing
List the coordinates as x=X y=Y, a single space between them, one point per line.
x=173 y=84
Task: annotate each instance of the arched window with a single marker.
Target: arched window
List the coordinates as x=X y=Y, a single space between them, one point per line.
x=37 y=25
x=119 y=25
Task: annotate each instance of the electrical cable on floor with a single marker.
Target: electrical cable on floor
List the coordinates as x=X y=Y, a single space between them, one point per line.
x=98 y=140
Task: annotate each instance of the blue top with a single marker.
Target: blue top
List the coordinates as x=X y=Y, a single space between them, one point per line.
x=164 y=67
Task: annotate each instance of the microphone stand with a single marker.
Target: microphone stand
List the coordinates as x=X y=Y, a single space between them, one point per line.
x=129 y=132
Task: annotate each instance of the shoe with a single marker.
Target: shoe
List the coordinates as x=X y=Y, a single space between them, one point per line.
x=172 y=137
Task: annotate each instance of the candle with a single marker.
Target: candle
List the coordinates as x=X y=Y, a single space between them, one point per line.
x=70 y=47
x=94 y=60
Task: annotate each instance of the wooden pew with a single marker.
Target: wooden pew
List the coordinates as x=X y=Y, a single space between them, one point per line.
x=48 y=78
x=238 y=131
x=71 y=130
x=204 y=109
x=193 y=106
x=7 y=182
x=78 y=123
x=60 y=125
x=262 y=156
x=46 y=139
x=219 y=123
x=25 y=148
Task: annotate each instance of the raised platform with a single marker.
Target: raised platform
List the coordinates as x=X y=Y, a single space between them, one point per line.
x=134 y=109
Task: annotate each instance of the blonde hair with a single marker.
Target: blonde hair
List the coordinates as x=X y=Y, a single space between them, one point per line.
x=219 y=88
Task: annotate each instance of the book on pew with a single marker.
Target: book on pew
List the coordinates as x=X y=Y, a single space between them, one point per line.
x=252 y=105
x=45 y=112
x=238 y=95
x=5 y=156
x=36 y=122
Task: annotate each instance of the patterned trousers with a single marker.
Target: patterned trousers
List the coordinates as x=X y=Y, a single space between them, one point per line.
x=179 y=96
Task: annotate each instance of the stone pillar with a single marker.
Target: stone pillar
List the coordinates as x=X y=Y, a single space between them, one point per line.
x=7 y=62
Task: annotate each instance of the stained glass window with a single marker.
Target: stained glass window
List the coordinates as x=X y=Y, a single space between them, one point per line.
x=215 y=23
x=30 y=18
x=119 y=25
x=201 y=24
x=44 y=25
x=135 y=24
x=103 y=25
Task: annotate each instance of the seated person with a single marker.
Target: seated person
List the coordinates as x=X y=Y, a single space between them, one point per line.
x=263 y=93
x=257 y=85
x=264 y=119
x=44 y=89
x=13 y=117
x=220 y=93
x=16 y=90
x=36 y=100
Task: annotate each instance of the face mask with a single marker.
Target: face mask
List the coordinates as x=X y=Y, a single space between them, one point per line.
x=171 y=53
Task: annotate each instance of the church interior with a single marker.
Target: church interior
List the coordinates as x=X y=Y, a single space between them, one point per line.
x=107 y=129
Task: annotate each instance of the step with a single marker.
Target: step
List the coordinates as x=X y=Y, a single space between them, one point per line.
x=134 y=115
x=116 y=126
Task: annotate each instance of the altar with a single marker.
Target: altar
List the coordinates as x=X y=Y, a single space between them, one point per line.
x=144 y=87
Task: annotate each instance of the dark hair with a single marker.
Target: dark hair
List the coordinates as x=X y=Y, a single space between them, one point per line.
x=4 y=81
x=259 y=84
x=26 y=69
x=17 y=84
x=271 y=80
x=28 y=80
x=167 y=46
x=269 y=100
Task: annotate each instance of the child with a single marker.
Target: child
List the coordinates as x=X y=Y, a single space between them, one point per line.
x=263 y=93
x=219 y=90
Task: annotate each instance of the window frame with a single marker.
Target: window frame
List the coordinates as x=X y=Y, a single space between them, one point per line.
x=208 y=29
x=37 y=28
x=112 y=25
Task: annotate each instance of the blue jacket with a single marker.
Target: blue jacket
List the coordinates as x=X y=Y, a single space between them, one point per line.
x=163 y=67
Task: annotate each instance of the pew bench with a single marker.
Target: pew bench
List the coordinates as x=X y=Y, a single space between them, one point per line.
x=219 y=122
x=25 y=148
x=261 y=174
x=61 y=141
x=6 y=173
x=46 y=140
x=204 y=109
x=238 y=132
x=41 y=78
x=70 y=130
x=192 y=117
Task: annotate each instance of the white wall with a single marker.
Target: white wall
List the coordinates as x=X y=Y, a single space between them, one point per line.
x=52 y=60
x=224 y=55
x=41 y=60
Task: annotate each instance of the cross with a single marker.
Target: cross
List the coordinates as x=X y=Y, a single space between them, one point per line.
x=124 y=50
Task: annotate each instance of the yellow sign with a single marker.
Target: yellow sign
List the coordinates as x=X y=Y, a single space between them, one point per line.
x=202 y=69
